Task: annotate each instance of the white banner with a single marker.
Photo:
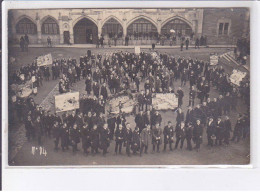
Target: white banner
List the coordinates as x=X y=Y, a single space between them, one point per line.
x=23 y=90
x=213 y=59
x=137 y=50
x=44 y=60
x=33 y=79
x=66 y=102
x=237 y=76
x=167 y=101
x=126 y=102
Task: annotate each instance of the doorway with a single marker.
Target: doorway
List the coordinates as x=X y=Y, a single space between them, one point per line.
x=85 y=32
x=66 y=36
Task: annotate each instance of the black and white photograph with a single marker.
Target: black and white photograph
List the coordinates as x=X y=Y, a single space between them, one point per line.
x=129 y=86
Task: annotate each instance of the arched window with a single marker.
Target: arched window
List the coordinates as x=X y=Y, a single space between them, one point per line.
x=26 y=26
x=112 y=27
x=142 y=26
x=50 y=26
x=180 y=27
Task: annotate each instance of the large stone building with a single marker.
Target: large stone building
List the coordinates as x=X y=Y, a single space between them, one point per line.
x=143 y=26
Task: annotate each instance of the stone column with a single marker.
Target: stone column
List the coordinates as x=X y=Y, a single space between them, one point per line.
x=99 y=24
x=124 y=28
x=39 y=29
x=200 y=22
x=194 y=26
x=159 y=27
x=61 y=29
x=61 y=32
x=71 y=32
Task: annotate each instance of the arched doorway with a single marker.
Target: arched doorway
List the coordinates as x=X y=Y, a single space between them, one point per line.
x=85 y=32
x=142 y=28
x=180 y=27
x=112 y=28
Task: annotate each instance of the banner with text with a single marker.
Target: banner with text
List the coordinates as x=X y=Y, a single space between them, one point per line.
x=167 y=101
x=66 y=102
x=237 y=76
x=44 y=60
x=213 y=59
x=127 y=104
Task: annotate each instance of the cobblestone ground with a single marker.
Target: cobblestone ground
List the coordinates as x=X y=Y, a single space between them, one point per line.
x=20 y=151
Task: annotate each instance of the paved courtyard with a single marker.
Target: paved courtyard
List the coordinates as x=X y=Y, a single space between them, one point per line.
x=235 y=153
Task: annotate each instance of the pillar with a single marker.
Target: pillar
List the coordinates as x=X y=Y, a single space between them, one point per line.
x=124 y=28
x=39 y=31
x=71 y=32
x=200 y=22
x=61 y=32
x=99 y=24
x=159 y=27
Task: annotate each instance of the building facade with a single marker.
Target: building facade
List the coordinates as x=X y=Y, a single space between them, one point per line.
x=142 y=26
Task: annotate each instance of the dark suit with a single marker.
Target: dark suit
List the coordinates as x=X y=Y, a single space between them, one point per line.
x=180 y=135
x=168 y=133
x=211 y=132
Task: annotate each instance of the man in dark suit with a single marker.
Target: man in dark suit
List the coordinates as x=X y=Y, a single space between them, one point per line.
x=128 y=138
x=156 y=137
x=119 y=137
x=228 y=129
x=140 y=120
x=197 y=134
x=168 y=133
x=180 y=134
x=211 y=132
x=180 y=96
x=192 y=96
x=94 y=137
x=180 y=116
x=219 y=131
x=74 y=137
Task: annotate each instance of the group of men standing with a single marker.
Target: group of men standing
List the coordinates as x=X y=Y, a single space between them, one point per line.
x=24 y=43
x=107 y=76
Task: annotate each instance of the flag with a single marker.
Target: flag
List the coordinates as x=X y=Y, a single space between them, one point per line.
x=44 y=60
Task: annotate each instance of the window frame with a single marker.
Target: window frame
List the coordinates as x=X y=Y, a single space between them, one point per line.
x=50 y=27
x=26 y=26
x=224 y=22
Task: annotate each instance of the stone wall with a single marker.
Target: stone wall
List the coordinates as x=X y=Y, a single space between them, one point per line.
x=202 y=21
x=237 y=19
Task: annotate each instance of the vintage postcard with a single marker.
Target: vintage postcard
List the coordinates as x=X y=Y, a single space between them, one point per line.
x=128 y=86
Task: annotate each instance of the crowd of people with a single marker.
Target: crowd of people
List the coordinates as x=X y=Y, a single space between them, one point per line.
x=161 y=39
x=140 y=77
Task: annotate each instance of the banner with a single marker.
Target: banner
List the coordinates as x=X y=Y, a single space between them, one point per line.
x=127 y=104
x=33 y=79
x=137 y=50
x=44 y=60
x=213 y=59
x=167 y=101
x=22 y=90
x=66 y=102
x=237 y=76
